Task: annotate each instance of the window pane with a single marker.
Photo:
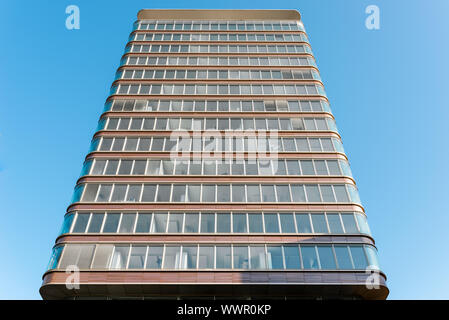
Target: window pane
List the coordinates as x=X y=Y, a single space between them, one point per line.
x=207 y=222
x=191 y=223
x=154 y=257
x=326 y=192
x=239 y=223
x=133 y=193
x=327 y=260
x=81 y=222
x=223 y=222
x=137 y=257
x=309 y=258
x=271 y=223
x=268 y=193
x=159 y=223
x=179 y=193
x=189 y=255
x=111 y=223
x=223 y=257
x=206 y=257
x=193 y=193
x=292 y=257
x=120 y=257
x=319 y=223
x=255 y=223
x=349 y=223
x=358 y=257
x=163 y=193
x=143 y=223
x=313 y=194
x=241 y=257
x=127 y=224
x=257 y=256
x=95 y=223
x=275 y=260
x=287 y=223
x=238 y=193
x=208 y=193
x=118 y=195
x=90 y=192
x=172 y=257
x=303 y=223
x=175 y=222
x=283 y=193
x=253 y=193
x=343 y=258
x=149 y=191
x=223 y=193
x=334 y=223
x=103 y=253
x=298 y=193
x=363 y=224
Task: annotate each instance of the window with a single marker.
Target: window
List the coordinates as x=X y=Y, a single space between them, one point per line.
x=271 y=223
x=327 y=260
x=172 y=257
x=154 y=257
x=175 y=222
x=206 y=257
x=207 y=222
x=287 y=223
x=292 y=260
x=223 y=223
x=120 y=257
x=118 y=195
x=111 y=223
x=143 y=223
x=241 y=257
x=309 y=257
x=159 y=223
x=96 y=222
x=191 y=223
x=127 y=223
x=223 y=257
x=257 y=257
x=275 y=259
x=343 y=258
x=239 y=223
x=255 y=223
x=137 y=257
x=189 y=257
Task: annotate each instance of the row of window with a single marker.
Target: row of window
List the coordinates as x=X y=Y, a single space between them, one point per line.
x=216 y=193
x=218 y=74
x=218 y=61
x=219 y=25
x=220 y=106
x=234 y=37
x=194 y=222
x=211 y=256
x=217 y=144
x=218 y=89
x=206 y=167
x=161 y=124
x=222 y=48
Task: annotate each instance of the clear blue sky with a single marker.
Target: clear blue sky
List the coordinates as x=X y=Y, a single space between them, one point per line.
x=387 y=90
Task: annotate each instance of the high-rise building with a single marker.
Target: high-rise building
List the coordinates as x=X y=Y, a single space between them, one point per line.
x=216 y=171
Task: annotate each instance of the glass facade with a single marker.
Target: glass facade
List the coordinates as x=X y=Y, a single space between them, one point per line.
x=216 y=151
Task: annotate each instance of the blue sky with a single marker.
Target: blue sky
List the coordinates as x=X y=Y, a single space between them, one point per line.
x=387 y=90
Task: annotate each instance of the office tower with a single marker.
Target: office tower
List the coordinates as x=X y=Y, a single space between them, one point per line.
x=217 y=171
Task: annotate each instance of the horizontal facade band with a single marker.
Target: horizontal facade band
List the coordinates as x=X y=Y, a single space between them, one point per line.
x=217 y=14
